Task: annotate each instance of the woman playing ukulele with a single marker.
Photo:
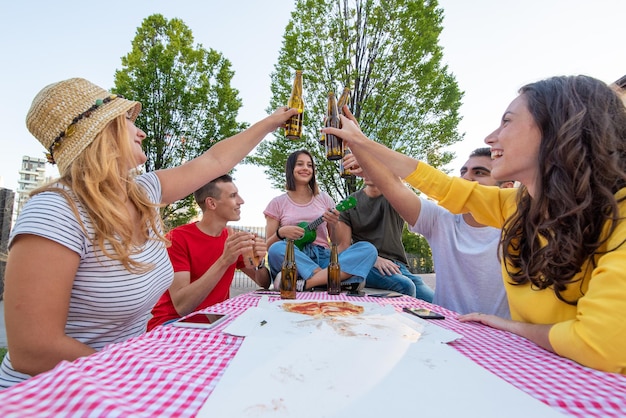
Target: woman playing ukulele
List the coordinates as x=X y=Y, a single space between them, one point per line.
x=290 y=215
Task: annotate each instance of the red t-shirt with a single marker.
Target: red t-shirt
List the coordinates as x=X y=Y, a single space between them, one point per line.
x=194 y=251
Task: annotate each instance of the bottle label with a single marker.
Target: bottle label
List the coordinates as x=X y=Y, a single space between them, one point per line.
x=294 y=127
x=334 y=147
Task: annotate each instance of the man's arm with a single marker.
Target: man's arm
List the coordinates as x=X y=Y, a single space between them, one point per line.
x=260 y=276
x=403 y=199
x=186 y=295
x=343 y=236
x=401 y=165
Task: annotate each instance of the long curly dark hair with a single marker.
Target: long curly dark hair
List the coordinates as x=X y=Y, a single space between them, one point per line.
x=582 y=164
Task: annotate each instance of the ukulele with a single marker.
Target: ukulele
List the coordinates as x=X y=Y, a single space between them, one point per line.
x=310 y=228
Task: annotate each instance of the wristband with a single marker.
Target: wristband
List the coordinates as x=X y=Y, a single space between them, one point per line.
x=278 y=234
x=261 y=264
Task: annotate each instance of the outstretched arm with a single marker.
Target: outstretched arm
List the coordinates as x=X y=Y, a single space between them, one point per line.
x=537 y=333
x=383 y=167
x=178 y=182
x=399 y=164
x=402 y=198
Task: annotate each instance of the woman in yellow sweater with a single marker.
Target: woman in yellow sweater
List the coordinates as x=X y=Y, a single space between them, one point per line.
x=563 y=247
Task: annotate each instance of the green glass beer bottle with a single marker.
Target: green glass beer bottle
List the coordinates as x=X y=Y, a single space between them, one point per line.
x=294 y=124
x=334 y=145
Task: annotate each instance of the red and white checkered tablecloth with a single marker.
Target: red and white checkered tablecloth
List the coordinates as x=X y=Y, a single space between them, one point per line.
x=171 y=371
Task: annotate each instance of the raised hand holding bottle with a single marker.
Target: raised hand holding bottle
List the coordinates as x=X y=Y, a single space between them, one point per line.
x=294 y=124
x=334 y=145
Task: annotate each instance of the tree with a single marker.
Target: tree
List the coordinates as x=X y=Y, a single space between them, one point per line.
x=386 y=51
x=418 y=252
x=188 y=102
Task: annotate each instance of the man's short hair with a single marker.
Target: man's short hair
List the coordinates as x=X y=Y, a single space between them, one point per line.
x=481 y=152
x=486 y=152
x=210 y=190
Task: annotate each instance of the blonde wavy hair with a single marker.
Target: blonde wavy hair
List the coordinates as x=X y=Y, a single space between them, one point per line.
x=100 y=180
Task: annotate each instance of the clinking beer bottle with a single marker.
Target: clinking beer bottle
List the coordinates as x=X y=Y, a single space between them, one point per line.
x=294 y=124
x=289 y=274
x=334 y=272
x=323 y=135
x=344 y=99
x=334 y=145
x=345 y=171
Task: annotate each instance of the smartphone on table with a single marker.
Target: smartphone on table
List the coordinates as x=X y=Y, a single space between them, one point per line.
x=424 y=313
x=200 y=320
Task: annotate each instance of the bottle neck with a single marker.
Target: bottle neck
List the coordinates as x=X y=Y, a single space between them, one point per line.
x=289 y=254
x=334 y=257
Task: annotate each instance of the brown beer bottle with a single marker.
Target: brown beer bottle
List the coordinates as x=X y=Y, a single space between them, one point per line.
x=334 y=145
x=334 y=272
x=294 y=124
x=344 y=99
x=345 y=171
x=289 y=274
x=323 y=135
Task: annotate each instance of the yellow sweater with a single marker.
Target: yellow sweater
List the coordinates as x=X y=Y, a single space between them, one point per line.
x=593 y=333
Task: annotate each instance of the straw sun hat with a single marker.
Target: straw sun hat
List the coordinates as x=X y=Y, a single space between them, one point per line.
x=67 y=116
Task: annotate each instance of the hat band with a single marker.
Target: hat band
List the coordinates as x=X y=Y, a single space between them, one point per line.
x=71 y=128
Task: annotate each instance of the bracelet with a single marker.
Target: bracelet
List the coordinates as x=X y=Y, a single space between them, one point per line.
x=278 y=234
x=261 y=265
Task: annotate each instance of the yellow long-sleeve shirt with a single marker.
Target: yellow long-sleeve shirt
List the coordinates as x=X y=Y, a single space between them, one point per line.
x=593 y=333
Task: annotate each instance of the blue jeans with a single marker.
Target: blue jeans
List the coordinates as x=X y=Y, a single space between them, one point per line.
x=404 y=282
x=356 y=260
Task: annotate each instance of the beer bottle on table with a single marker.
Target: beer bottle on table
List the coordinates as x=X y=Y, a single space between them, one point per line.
x=334 y=145
x=289 y=274
x=334 y=272
x=294 y=124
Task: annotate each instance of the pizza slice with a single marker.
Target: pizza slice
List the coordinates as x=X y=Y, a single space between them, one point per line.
x=305 y=308
x=332 y=308
x=340 y=308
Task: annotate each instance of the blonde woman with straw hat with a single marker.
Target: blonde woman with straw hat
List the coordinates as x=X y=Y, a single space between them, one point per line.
x=88 y=259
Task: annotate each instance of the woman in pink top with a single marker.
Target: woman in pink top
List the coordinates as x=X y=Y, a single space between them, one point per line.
x=304 y=203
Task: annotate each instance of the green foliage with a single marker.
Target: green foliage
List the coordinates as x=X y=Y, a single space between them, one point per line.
x=3 y=352
x=188 y=102
x=386 y=51
x=418 y=252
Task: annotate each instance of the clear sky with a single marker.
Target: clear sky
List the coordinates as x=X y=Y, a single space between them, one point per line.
x=493 y=47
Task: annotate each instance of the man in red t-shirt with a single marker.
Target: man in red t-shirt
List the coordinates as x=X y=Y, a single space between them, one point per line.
x=206 y=253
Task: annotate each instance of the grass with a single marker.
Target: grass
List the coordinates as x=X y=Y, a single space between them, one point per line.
x=3 y=351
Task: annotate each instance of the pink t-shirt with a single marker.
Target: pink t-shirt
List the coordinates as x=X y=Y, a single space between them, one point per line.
x=287 y=212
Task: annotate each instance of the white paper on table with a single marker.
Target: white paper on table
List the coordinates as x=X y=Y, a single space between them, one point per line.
x=325 y=375
x=376 y=322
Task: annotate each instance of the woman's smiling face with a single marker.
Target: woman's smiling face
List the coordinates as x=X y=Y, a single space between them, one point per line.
x=303 y=171
x=515 y=146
